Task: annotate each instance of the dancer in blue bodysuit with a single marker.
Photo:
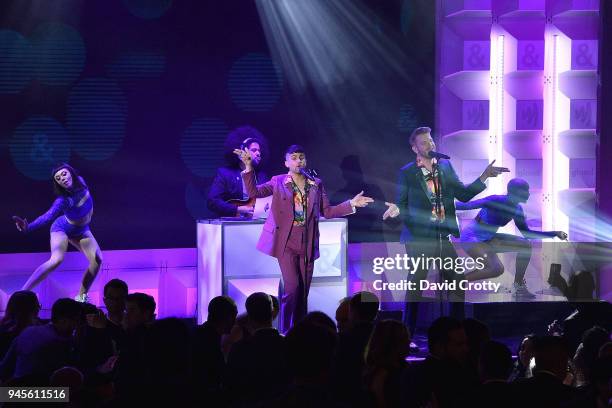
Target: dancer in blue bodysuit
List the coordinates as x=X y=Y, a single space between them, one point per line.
x=480 y=238
x=71 y=214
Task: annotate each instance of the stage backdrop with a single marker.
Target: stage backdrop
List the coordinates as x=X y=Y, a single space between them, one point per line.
x=139 y=95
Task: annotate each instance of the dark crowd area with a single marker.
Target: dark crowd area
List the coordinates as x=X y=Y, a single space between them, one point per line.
x=124 y=356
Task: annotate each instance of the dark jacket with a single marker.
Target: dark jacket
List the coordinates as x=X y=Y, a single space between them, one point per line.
x=37 y=351
x=209 y=366
x=227 y=185
x=415 y=205
x=447 y=381
x=349 y=362
x=543 y=390
x=256 y=368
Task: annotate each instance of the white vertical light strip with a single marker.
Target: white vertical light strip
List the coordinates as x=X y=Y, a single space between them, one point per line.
x=555 y=164
x=497 y=183
x=561 y=115
x=492 y=97
x=496 y=107
x=547 y=150
x=554 y=184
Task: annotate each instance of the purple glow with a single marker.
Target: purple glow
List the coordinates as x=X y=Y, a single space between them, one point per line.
x=524 y=144
x=476 y=55
x=469 y=85
x=527 y=85
x=169 y=275
x=541 y=92
x=530 y=55
x=582 y=173
x=578 y=84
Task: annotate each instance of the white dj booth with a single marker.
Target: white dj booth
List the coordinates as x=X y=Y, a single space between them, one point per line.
x=230 y=264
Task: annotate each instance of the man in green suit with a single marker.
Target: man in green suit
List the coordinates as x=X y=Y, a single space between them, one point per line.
x=425 y=219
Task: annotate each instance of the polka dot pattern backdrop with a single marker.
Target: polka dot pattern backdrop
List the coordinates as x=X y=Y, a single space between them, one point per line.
x=140 y=96
x=97 y=112
x=37 y=145
x=16 y=62
x=255 y=83
x=202 y=146
x=59 y=53
x=148 y=9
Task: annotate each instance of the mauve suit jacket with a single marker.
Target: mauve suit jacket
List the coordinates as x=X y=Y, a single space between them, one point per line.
x=277 y=227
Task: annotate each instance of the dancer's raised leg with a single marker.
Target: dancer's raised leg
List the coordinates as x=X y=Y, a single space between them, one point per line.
x=59 y=245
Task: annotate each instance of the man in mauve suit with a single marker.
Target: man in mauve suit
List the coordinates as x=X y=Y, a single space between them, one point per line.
x=291 y=234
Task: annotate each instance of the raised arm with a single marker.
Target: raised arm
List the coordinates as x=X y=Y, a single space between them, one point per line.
x=462 y=192
x=345 y=208
x=248 y=176
x=253 y=190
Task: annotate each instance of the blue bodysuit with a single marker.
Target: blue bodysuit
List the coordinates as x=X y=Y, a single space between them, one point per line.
x=77 y=209
x=496 y=211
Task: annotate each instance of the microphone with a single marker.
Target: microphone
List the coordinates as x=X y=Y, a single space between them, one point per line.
x=310 y=174
x=437 y=155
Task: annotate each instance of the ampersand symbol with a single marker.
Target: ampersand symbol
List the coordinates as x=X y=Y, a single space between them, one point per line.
x=584 y=57
x=476 y=60
x=530 y=58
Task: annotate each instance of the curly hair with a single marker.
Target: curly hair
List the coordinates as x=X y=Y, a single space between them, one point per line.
x=240 y=138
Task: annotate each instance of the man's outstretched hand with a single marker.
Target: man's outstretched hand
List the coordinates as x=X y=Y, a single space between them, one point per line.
x=393 y=211
x=493 y=171
x=360 y=201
